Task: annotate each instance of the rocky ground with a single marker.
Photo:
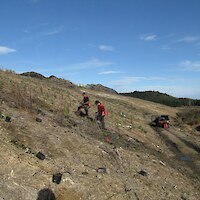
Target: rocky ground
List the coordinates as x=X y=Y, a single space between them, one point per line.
x=124 y=162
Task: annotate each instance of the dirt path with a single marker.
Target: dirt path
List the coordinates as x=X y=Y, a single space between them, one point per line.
x=186 y=153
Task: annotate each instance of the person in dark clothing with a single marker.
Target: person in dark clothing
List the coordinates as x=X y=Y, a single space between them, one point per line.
x=84 y=104
x=100 y=114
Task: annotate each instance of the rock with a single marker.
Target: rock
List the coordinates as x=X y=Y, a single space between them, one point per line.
x=39 y=111
x=8 y=119
x=101 y=170
x=38 y=119
x=143 y=173
x=40 y=156
x=198 y=128
x=57 y=178
x=46 y=194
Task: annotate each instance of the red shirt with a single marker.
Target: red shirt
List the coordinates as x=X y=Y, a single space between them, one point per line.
x=101 y=109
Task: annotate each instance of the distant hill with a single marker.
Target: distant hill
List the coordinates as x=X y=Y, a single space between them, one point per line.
x=52 y=78
x=100 y=87
x=33 y=75
x=62 y=82
x=162 y=98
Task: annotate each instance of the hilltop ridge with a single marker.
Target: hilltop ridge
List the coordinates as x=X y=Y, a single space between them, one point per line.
x=102 y=88
x=130 y=160
x=162 y=98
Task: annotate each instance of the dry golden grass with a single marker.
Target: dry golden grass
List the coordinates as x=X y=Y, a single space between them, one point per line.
x=78 y=145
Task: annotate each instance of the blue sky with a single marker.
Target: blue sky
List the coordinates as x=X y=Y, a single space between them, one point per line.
x=127 y=45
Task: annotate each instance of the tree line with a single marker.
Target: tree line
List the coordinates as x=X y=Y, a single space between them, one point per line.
x=163 y=98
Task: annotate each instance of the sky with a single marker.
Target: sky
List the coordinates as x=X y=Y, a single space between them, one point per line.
x=126 y=45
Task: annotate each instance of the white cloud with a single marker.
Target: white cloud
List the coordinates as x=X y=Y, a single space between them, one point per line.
x=6 y=50
x=188 y=65
x=90 y=64
x=53 y=32
x=106 y=48
x=165 y=47
x=41 y=34
x=109 y=72
x=132 y=79
x=189 y=39
x=36 y=27
x=93 y=63
x=148 y=37
x=124 y=81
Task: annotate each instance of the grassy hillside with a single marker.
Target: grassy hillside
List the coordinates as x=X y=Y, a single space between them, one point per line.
x=129 y=160
x=163 y=98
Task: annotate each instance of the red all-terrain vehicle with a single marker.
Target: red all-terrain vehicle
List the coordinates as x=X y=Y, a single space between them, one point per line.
x=161 y=121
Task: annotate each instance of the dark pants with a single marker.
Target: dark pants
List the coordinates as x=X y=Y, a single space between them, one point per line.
x=100 y=121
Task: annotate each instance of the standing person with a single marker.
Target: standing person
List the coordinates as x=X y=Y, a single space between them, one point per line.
x=84 y=104
x=100 y=114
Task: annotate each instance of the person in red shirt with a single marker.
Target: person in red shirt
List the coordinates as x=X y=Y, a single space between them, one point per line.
x=100 y=114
